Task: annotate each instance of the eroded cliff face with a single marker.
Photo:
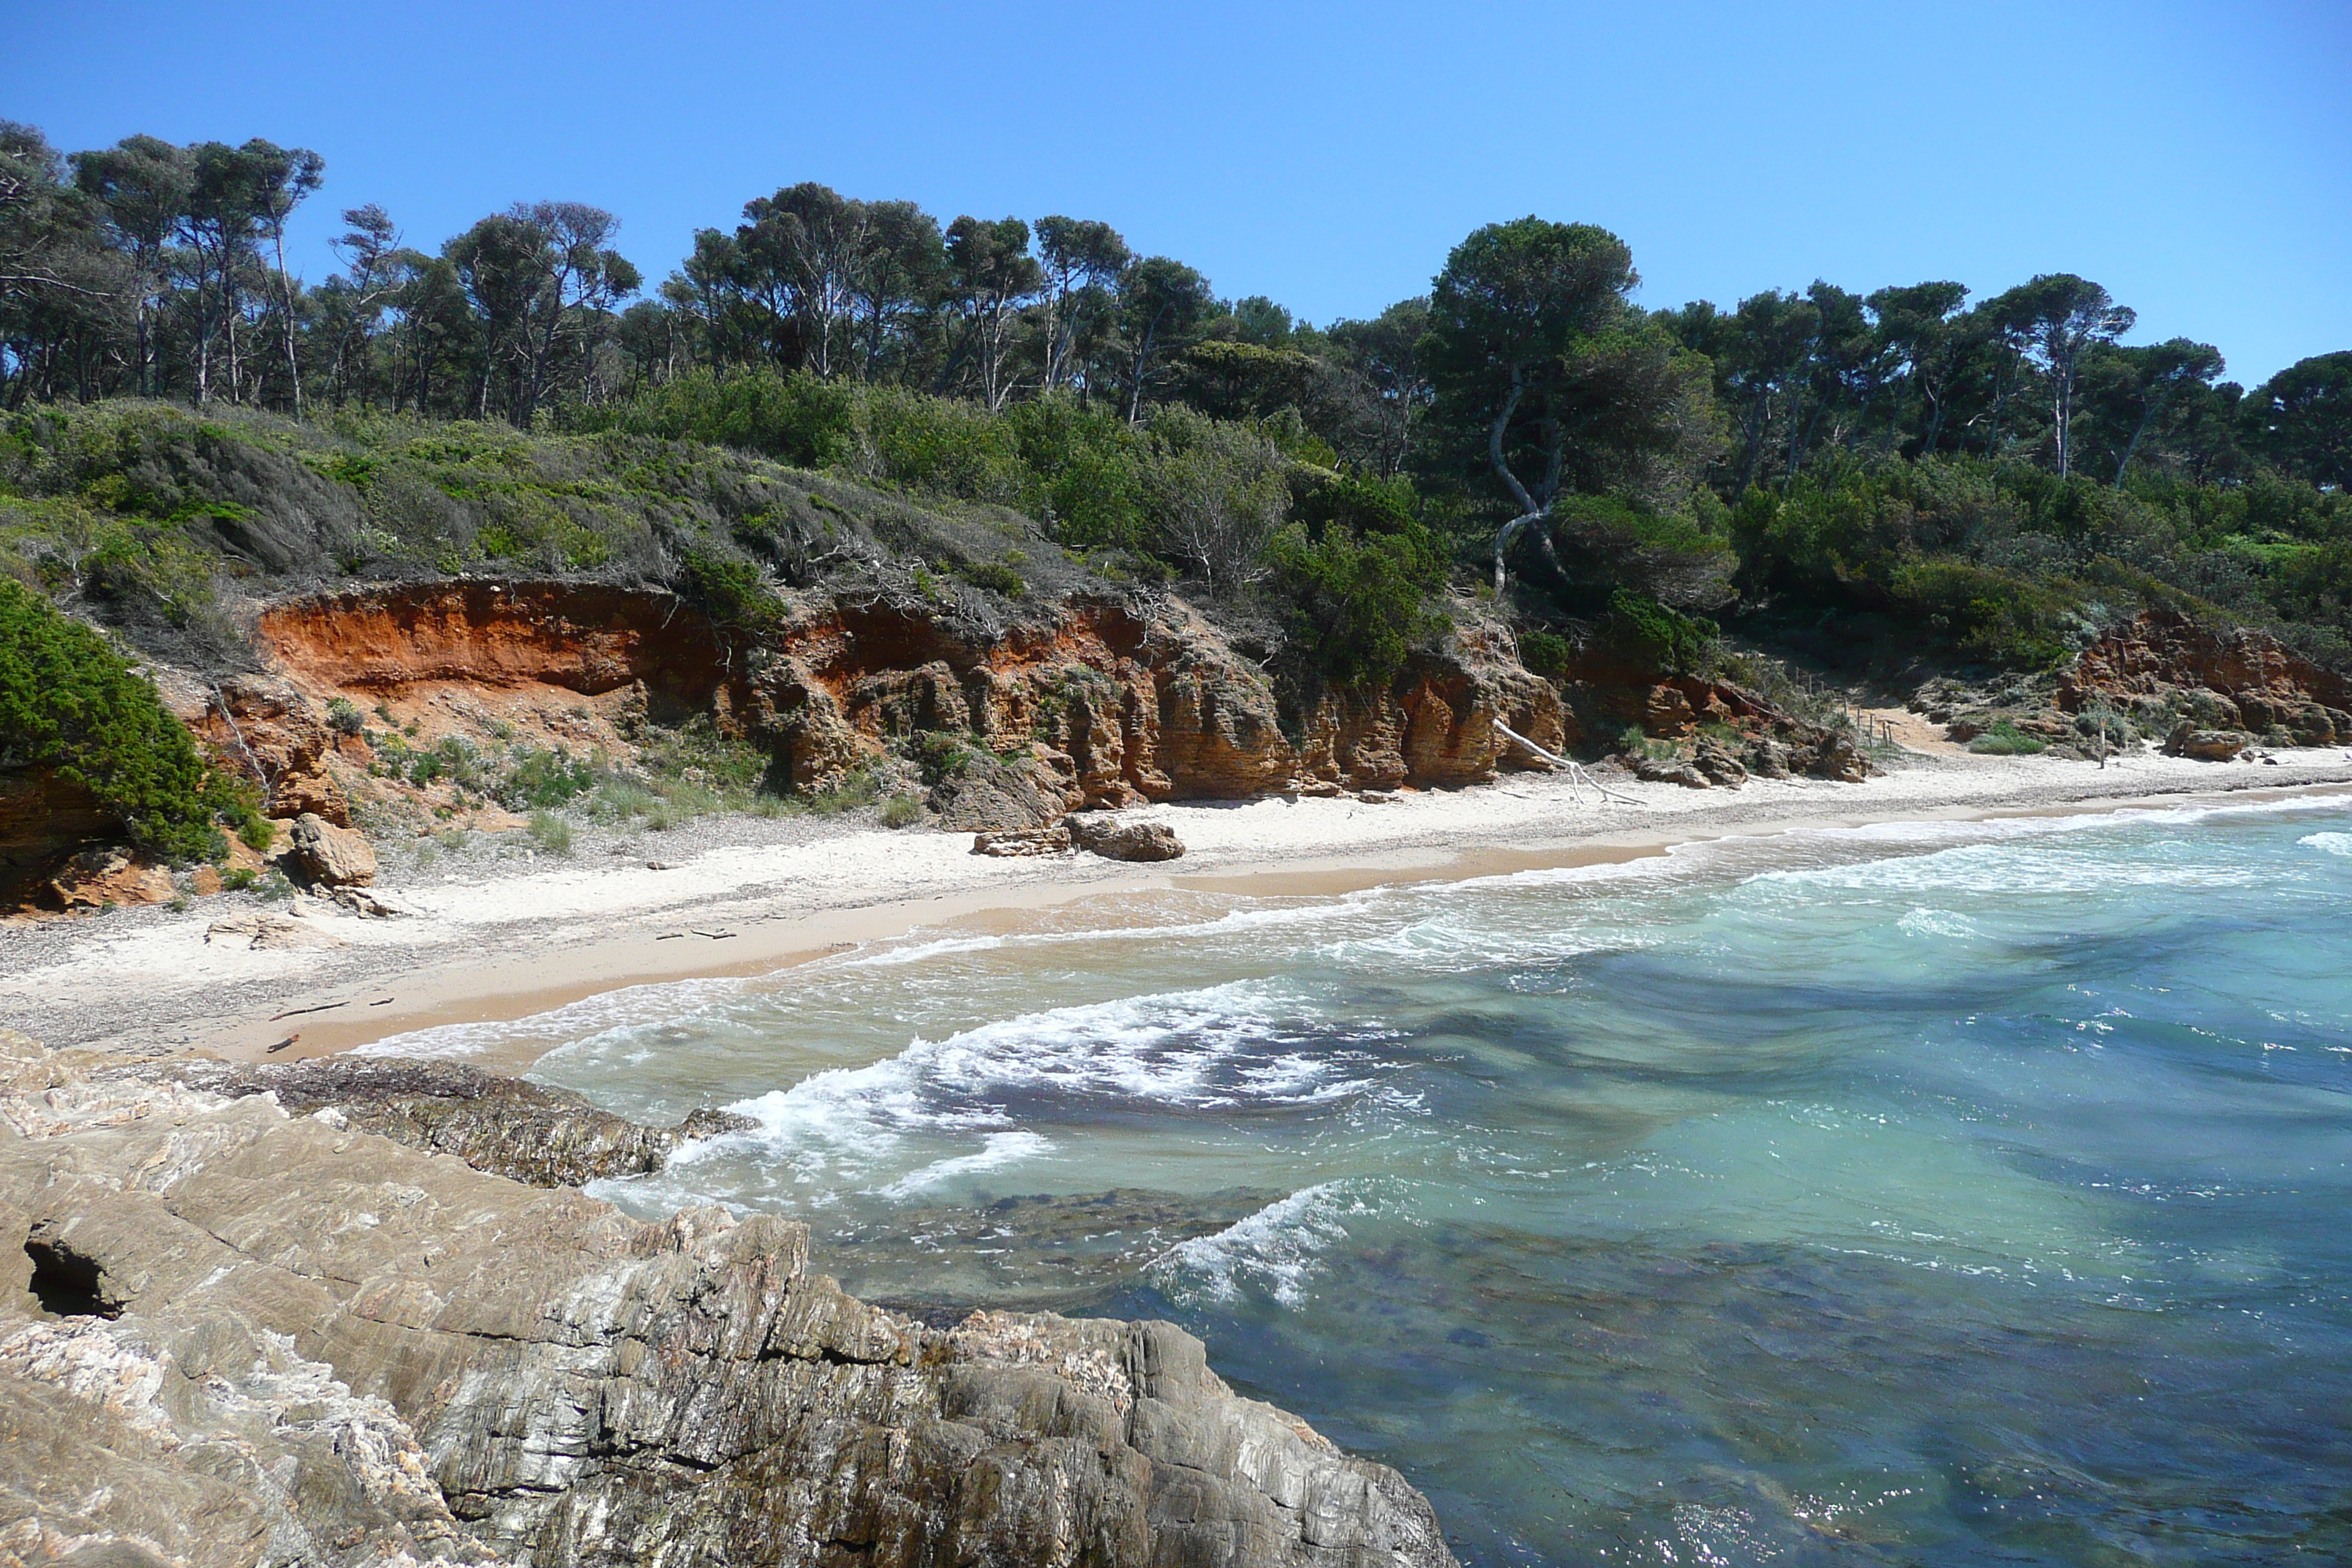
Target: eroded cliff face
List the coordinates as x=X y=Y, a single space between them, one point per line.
x=229 y=1335
x=1099 y=704
x=1095 y=704
x=2234 y=679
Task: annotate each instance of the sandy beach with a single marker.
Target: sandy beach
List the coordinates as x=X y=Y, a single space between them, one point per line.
x=520 y=934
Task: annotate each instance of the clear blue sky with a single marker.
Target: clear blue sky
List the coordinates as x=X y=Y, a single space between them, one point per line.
x=2196 y=158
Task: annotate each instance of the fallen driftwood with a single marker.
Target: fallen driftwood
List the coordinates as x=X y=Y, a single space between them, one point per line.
x=1577 y=777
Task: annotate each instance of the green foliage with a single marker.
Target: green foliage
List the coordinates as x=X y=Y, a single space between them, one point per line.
x=902 y=811
x=794 y=418
x=1360 y=602
x=550 y=833
x=542 y=777
x=938 y=756
x=343 y=716
x=71 y=702
x=729 y=589
x=2006 y=740
x=1608 y=542
x=255 y=831
x=238 y=879
x=1661 y=638
x=854 y=789
x=1084 y=472
x=1984 y=611
x=1546 y=653
x=993 y=574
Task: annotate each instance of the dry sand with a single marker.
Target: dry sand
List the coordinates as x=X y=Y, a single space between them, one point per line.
x=518 y=937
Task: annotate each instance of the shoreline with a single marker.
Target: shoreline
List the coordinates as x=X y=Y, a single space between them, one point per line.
x=499 y=947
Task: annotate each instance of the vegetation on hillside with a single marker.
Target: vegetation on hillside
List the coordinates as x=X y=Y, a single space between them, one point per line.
x=974 y=412
x=69 y=703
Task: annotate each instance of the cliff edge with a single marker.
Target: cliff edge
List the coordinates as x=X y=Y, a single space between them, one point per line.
x=229 y=1335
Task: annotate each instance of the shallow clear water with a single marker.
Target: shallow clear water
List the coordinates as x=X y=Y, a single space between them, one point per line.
x=1941 y=1194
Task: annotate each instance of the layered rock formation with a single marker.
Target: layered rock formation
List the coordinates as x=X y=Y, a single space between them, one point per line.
x=2164 y=666
x=528 y=1133
x=1104 y=704
x=230 y=1334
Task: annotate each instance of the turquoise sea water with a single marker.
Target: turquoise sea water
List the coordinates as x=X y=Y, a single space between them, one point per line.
x=1951 y=1194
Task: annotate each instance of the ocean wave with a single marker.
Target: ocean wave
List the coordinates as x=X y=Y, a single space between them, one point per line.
x=2332 y=843
x=592 y=1017
x=1222 y=1045
x=1936 y=922
x=1231 y=922
x=1275 y=1251
x=1001 y=1149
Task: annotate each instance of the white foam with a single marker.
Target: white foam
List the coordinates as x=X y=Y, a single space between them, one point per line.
x=2332 y=843
x=591 y=1017
x=1234 y=921
x=1273 y=1250
x=1002 y=1148
x=1937 y=922
x=1219 y=1046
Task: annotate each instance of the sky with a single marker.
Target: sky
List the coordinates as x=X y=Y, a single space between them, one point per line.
x=2194 y=158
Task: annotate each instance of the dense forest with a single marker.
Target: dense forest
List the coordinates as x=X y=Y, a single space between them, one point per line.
x=1871 y=478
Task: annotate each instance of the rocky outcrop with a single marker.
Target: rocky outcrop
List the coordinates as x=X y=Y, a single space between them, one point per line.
x=528 y=1133
x=335 y=857
x=264 y=730
x=1103 y=704
x=2207 y=745
x=240 y=1333
x=2164 y=667
x=1112 y=839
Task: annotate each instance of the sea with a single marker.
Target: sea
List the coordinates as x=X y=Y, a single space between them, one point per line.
x=1951 y=1192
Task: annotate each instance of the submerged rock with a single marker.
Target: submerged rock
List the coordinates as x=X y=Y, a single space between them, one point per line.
x=329 y=1347
x=526 y=1132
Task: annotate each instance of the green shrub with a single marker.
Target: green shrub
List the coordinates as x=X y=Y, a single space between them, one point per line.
x=729 y=589
x=1992 y=613
x=902 y=811
x=542 y=777
x=993 y=574
x=938 y=445
x=795 y=419
x=1546 y=653
x=854 y=789
x=550 y=833
x=69 y=701
x=938 y=756
x=238 y=879
x=1663 y=638
x=1359 y=601
x=255 y=831
x=343 y=716
x=2006 y=740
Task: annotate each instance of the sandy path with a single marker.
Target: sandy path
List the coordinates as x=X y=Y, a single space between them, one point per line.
x=520 y=941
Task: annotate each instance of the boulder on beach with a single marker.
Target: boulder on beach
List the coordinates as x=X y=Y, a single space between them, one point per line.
x=1116 y=840
x=337 y=856
x=2207 y=745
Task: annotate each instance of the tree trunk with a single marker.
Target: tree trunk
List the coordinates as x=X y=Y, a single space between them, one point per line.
x=286 y=305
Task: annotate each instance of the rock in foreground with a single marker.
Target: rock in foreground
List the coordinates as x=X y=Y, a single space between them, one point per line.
x=231 y=1334
x=525 y=1131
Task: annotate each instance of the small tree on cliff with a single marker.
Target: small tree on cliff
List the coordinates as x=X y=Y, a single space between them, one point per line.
x=1510 y=320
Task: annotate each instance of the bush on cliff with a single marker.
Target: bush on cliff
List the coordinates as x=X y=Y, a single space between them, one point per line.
x=69 y=701
x=1358 y=602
